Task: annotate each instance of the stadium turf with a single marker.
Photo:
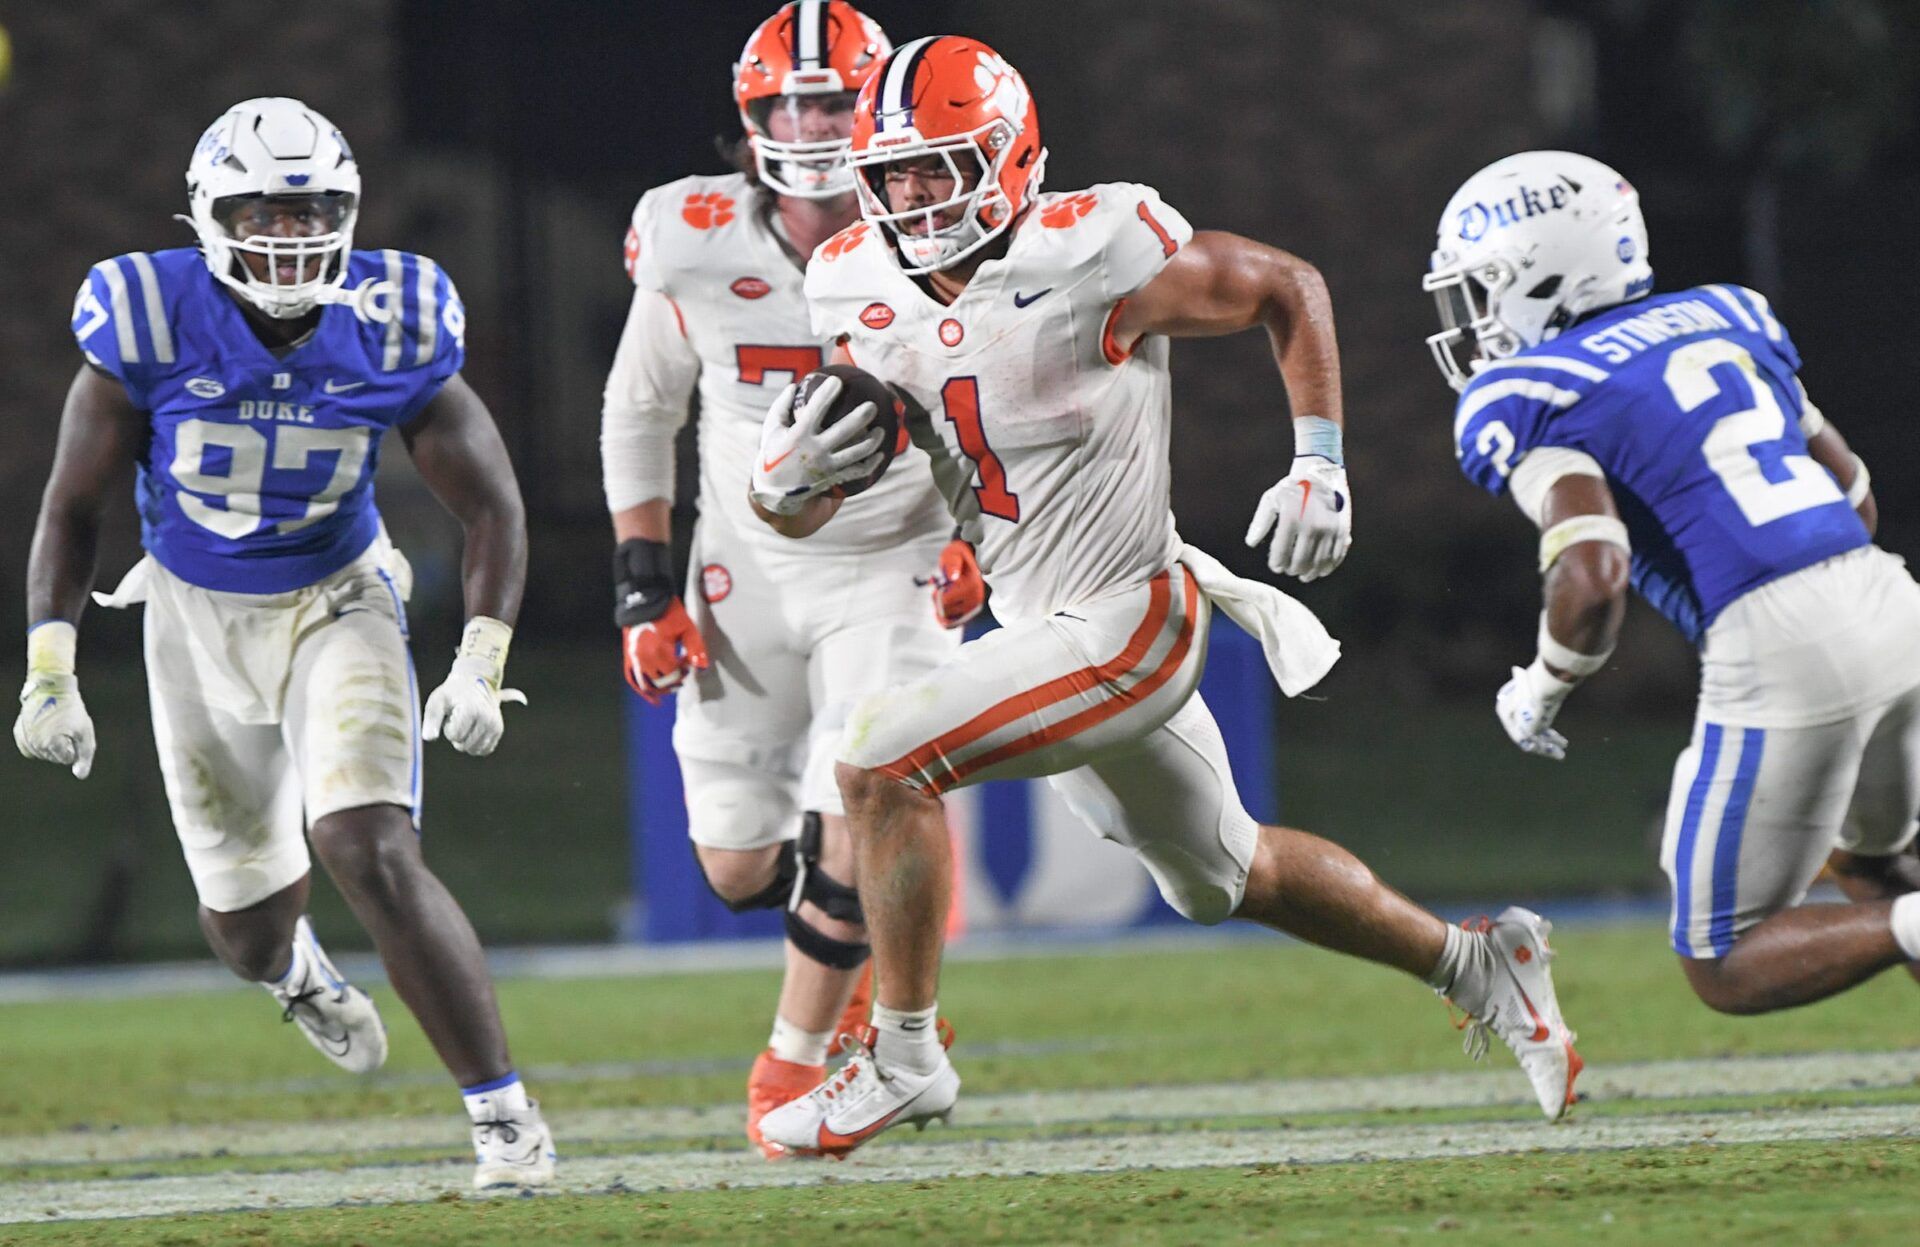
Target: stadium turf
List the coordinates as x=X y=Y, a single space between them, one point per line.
x=1155 y=1044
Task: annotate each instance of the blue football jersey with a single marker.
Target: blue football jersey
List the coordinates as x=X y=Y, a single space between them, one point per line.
x=1690 y=404
x=258 y=477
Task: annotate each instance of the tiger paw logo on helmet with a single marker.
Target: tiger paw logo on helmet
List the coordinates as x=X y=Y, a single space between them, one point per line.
x=1065 y=212
x=1001 y=84
x=707 y=210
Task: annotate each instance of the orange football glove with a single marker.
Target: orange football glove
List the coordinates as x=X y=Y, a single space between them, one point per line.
x=658 y=654
x=959 y=591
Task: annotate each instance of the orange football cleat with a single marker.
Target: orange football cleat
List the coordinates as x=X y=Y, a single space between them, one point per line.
x=772 y=1083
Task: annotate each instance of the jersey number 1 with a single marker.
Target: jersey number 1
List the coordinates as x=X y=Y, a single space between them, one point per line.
x=960 y=399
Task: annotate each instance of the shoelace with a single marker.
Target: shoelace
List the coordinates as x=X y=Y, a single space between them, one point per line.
x=509 y=1131
x=297 y=999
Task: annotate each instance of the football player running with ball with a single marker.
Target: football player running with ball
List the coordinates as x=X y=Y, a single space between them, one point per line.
x=250 y=382
x=1031 y=331
x=1666 y=440
x=774 y=641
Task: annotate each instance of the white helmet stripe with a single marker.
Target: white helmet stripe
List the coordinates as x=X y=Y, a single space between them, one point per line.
x=809 y=33
x=896 y=92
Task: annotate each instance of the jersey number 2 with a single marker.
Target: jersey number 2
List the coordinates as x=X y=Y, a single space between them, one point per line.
x=960 y=399
x=1736 y=446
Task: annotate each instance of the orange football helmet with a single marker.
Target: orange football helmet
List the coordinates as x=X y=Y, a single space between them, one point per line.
x=955 y=99
x=809 y=49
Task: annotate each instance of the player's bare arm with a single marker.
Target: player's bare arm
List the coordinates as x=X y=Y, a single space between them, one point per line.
x=1585 y=588
x=457 y=448
x=101 y=432
x=1830 y=450
x=1222 y=283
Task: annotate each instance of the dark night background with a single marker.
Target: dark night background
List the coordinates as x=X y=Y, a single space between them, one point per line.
x=1772 y=142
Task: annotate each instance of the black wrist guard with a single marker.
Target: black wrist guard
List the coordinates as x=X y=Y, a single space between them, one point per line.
x=642 y=581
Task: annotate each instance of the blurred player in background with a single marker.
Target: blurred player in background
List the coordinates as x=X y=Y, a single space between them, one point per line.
x=1031 y=330
x=1667 y=440
x=250 y=381
x=774 y=641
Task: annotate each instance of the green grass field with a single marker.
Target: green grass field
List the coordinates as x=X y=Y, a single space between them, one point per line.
x=1237 y=1091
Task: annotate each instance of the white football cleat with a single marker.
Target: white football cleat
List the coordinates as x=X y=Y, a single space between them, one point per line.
x=1523 y=1010
x=859 y=1101
x=512 y=1146
x=336 y=1017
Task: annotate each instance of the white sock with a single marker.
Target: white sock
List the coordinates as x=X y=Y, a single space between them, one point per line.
x=1906 y=924
x=908 y=1038
x=487 y=1101
x=789 y=1043
x=1464 y=972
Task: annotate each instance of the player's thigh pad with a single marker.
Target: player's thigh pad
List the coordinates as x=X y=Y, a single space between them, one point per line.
x=232 y=790
x=1040 y=696
x=734 y=806
x=1171 y=798
x=751 y=703
x=353 y=701
x=1752 y=815
x=1881 y=819
x=882 y=634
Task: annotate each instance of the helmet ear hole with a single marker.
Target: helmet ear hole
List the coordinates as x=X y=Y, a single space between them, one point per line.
x=1546 y=289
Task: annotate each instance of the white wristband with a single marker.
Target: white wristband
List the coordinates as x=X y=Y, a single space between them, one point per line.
x=1862 y=483
x=1317 y=435
x=51 y=647
x=487 y=640
x=1570 y=661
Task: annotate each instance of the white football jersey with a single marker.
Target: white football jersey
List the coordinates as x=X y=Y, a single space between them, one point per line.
x=709 y=245
x=1049 y=443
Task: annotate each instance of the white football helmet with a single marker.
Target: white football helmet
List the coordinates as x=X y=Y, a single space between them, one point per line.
x=1526 y=246
x=274 y=150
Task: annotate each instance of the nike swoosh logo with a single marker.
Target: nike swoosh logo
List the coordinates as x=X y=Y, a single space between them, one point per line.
x=833 y=1140
x=1020 y=300
x=1306 y=492
x=776 y=461
x=331 y=388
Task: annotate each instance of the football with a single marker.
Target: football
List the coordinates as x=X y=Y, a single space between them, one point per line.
x=860 y=386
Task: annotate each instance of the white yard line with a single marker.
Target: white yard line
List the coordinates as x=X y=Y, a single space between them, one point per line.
x=890 y=1162
x=1730 y=1076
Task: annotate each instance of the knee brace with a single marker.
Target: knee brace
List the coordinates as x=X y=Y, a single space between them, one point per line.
x=832 y=897
x=775 y=895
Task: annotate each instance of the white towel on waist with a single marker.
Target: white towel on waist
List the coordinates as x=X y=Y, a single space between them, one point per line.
x=1299 y=649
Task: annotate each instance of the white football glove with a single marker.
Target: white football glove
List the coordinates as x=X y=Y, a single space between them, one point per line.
x=466 y=707
x=799 y=461
x=1310 y=514
x=54 y=725
x=1526 y=705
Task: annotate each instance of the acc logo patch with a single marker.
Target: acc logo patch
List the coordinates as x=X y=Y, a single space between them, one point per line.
x=951 y=331
x=205 y=387
x=630 y=250
x=876 y=316
x=707 y=210
x=750 y=288
x=716 y=582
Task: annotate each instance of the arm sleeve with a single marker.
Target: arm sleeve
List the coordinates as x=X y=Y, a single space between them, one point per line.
x=1147 y=235
x=647 y=395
